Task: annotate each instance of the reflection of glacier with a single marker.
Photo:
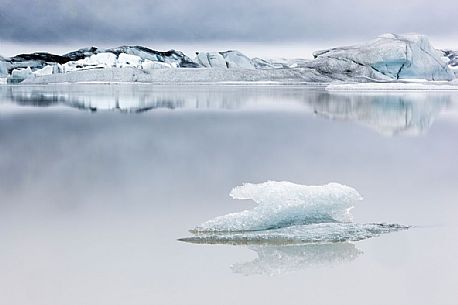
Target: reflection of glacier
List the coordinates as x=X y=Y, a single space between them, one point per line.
x=279 y=259
x=389 y=114
x=140 y=98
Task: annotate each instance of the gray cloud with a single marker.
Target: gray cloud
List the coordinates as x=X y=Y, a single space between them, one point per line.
x=60 y=21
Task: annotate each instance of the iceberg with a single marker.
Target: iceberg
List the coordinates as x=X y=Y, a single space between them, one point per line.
x=289 y=213
x=211 y=60
x=235 y=59
x=172 y=57
x=148 y=65
x=224 y=60
x=21 y=73
x=282 y=204
x=388 y=57
x=96 y=61
x=47 y=70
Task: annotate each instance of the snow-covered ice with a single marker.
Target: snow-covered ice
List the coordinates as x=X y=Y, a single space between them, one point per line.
x=128 y=60
x=148 y=64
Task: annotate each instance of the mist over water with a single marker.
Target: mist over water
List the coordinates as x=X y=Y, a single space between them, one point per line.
x=97 y=183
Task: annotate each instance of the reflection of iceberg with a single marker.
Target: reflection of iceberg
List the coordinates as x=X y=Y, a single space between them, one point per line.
x=275 y=259
x=289 y=213
x=389 y=114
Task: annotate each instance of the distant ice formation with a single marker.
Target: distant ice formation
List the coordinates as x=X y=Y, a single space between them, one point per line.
x=289 y=213
x=390 y=57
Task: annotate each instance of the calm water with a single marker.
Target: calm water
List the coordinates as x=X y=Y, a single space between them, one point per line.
x=98 y=182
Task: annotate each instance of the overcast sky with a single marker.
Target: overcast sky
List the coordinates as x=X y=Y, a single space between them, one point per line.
x=152 y=22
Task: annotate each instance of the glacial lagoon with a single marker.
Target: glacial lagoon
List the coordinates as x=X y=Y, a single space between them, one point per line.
x=99 y=182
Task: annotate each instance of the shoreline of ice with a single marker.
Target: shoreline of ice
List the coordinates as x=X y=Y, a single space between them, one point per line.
x=394 y=86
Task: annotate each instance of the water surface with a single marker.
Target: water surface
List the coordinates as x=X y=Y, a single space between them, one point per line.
x=97 y=183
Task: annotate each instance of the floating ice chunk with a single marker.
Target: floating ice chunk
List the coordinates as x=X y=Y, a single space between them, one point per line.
x=3 y=80
x=128 y=60
x=289 y=213
x=283 y=204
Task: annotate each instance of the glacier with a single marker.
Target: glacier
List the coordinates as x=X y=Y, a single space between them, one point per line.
x=289 y=213
x=388 y=58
